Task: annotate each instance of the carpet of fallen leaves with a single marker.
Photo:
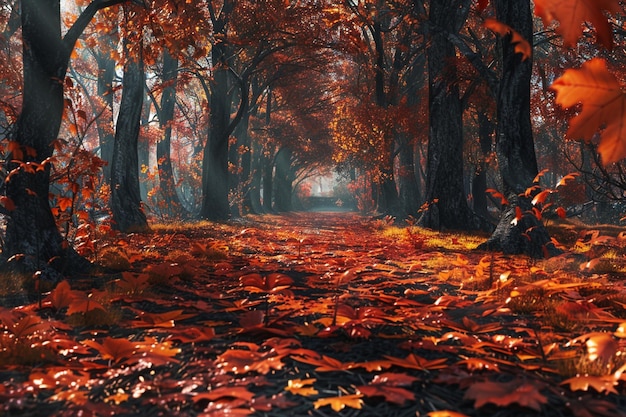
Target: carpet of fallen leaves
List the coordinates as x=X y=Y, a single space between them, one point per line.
x=322 y=314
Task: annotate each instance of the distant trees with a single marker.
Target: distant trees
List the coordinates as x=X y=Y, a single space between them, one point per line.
x=237 y=100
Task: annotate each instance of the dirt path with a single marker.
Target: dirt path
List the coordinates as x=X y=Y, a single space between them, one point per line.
x=317 y=314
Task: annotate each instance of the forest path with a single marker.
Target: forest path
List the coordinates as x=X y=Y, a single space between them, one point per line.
x=317 y=314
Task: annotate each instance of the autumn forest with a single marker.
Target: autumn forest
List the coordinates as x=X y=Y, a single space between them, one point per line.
x=313 y=208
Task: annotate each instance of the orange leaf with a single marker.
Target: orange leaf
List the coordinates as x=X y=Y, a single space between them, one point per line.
x=301 y=387
x=573 y=13
x=518 y=391
x=599 y=383
x=446 y=413
x=114 y=349
x=64 y=203
x=341 y=402
x=325 y=363
x=498 y=194
x=389 y=386
x=7 y=203
x=566 y=178
x=412 y=361
x=271 y=283
x=166 y=319
x=62 y=295
x=521 y=45
x=600 y=346
x=482 y=5
x=541 y=197
x=192 y=334
x=561 y=212
x=603 y=107
x=225 y=392
x=28 y=325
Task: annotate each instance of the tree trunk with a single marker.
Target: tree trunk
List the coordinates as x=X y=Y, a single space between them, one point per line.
x=479 y=182
x=268 y=183
x=444 y=169
x=171 y=202
x=514 y=142
x=215 y=204
x=409 y=189
x=128 y=215
x=255 y=179
x=284 y=181
x=32 y=237
x=104 y=120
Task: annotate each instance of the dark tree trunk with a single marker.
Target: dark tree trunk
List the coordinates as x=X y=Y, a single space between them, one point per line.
x=128 y=215
x=444 y=170
x=389 y=202
x=479 y=182
x=215 y=204
x=104 y=121
x=409 y=189
x=514 y=142
x=284 y=181
x=255 y=179
x=167 y=185
x=143 y=149
x=268 y=183
x=31 y=231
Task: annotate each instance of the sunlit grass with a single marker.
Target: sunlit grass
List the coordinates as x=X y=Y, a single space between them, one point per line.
x=430 y=239
x=181 y=226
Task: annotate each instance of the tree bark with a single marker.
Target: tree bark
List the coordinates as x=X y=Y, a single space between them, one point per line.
x=255 y=179
x=268 y=183
x=409 y=189
x=479 y=182
x=32 y=237
x=515 y=144
x=128 y=215
x=284 y=181
x=171 y=203
x=445 y=186
x=215 y=204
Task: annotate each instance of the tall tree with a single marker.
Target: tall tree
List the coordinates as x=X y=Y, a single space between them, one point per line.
x=165 y=112
x=444 y=171
x=31 y=231
x=519 y=230
x=128 y=215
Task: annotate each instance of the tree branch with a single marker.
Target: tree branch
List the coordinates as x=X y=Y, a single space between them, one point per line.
x=72 y=35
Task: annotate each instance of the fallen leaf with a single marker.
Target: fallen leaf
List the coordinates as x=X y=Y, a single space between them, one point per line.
x=599 y=383
x=446 y=413
x=389 y=386
x=301 y=387
x=114 y=349
x=341 y=402
x=412 y=361
x=518 y=391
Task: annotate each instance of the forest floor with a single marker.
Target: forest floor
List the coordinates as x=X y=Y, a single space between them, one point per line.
x=323 y=314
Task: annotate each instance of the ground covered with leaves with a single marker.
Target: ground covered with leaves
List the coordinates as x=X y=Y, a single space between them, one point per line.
x=322 y=314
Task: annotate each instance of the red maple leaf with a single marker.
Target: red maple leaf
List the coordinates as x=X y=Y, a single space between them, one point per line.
x=390 y=386
x=572 y=14
x=518 y=391
x=521 y=45
x=603 y=107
